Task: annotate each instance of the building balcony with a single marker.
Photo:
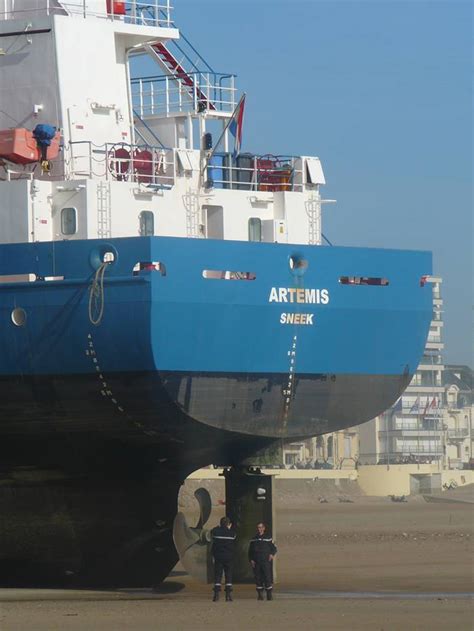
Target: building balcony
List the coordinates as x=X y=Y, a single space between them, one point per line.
x=434 y=345
x=418 y=389
x=459 y=434
x=434 y=367
x=425 y=450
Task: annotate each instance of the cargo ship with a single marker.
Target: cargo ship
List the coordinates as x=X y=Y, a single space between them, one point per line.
x=167 y=301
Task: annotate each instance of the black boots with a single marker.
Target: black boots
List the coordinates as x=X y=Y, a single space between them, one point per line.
x=259 y=594
x=228 y=595
x=269 y=594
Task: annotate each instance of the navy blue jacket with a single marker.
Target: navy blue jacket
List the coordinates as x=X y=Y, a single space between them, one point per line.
x=223 y=539
x=261 y=547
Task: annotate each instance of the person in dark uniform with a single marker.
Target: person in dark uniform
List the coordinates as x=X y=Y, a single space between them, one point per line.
x=262 y=551
x=223 y=539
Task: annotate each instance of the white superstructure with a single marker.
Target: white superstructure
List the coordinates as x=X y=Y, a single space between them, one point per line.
x=137 y=154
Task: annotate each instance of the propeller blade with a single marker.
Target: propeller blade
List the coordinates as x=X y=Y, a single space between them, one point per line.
x=192 y=545
x=205 y=506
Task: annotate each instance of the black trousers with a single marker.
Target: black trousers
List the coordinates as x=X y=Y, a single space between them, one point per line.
x=222 y=566
x=263 y=572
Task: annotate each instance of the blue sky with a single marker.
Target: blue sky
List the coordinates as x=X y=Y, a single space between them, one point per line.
x=381 y=91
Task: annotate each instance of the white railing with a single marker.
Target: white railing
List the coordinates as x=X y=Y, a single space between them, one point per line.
x=150 y=166
x=255 y=173
x=145 y=13
x=184 y=93
x=159 y=167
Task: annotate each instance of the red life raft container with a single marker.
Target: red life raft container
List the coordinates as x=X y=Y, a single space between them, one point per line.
x=20 y=147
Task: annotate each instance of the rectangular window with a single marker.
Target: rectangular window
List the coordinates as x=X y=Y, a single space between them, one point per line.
x=147 y=223
x=68 y=221
x=255 y=229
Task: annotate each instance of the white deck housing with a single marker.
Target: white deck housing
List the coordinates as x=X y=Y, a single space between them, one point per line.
x=133 y=157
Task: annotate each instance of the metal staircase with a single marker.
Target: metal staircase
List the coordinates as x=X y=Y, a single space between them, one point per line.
x=173 y=64
x=175 y=68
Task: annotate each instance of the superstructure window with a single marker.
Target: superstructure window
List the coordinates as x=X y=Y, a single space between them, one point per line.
x=68 y=221
x=147 y=223
x=255 y=229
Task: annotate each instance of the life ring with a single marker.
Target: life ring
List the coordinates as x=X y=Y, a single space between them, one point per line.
x=119 y=162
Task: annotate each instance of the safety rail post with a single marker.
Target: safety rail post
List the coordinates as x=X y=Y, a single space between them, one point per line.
x=140 y=94
x=180 y=97
x=152 y=98
x=106 y=162
x=90 y=158
x=167 y=95
x=133 y=12
x=231 y=168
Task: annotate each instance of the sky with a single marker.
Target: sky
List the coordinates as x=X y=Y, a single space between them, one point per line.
x=381 y=91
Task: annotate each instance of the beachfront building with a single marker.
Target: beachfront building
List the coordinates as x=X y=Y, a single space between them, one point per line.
x=338 y=450
x=412 y=431
x=458 y=417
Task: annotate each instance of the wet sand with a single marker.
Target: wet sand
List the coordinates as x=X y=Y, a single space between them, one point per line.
x=369 y=564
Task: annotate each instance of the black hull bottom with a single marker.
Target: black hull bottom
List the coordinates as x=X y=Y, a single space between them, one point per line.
x=90 y=473
x=89 y=512
x=163 y=403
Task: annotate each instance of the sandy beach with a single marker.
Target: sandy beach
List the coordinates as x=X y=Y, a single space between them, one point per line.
x=356 y=563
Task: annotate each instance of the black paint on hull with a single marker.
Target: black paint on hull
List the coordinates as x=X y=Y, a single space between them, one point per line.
x=144 y=404
x=90 y=474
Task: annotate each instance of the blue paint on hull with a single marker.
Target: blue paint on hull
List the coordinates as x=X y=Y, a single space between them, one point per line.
x=184 y=323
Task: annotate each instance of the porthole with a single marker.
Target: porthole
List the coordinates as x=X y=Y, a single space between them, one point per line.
x=19 y=316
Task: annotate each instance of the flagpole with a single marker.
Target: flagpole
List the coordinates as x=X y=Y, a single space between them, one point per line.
x=222 y=135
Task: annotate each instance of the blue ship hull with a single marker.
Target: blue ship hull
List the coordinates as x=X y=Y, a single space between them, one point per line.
x=181 y=371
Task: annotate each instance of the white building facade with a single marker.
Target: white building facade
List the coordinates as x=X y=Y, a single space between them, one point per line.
x=412 y=431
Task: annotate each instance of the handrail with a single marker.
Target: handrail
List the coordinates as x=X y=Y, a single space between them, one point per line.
x=182 y=36
x=148 y=128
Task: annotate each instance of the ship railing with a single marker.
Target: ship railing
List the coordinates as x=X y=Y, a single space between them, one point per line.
x=247 y=172
x=155 y=13
x=167 y=95
x=123 y=162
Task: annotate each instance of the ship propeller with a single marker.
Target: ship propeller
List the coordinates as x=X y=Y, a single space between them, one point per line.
x=193 y=543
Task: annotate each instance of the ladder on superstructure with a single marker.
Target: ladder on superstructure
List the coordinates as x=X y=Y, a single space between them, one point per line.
x=313 y=210
x=192 y=205
x=104 y=211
